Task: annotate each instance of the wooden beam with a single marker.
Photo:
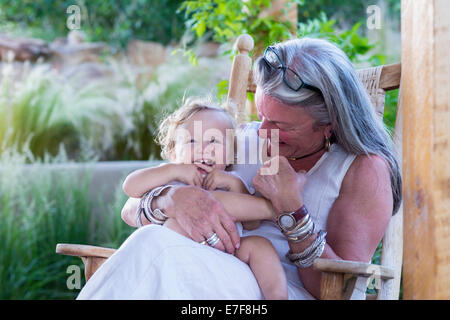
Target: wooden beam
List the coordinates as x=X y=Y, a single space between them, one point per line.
x=81 y=250
x=390 y=77
x=426 y=148
x=353 y=267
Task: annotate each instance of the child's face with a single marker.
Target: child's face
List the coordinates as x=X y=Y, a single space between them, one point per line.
x=203 y=138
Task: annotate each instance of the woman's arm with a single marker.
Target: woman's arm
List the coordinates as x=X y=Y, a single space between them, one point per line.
x=129 y=211
x=358 y=219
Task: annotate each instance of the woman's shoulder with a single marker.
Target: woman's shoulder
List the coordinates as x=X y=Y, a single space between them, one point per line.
x=367 y=172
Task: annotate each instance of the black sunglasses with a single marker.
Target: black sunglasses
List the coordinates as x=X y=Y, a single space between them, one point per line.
x=290 y=77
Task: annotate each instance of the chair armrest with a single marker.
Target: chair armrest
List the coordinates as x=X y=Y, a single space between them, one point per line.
x=80 y=250
x=353 y=267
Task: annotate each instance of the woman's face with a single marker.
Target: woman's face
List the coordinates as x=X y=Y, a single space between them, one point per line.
x=298 y=135
x=203 y=138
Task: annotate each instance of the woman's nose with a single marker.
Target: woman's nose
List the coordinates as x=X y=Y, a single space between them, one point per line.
x=265 y=129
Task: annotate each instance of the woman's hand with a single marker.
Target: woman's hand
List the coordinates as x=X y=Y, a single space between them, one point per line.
x=283 y=188
x=200 y=215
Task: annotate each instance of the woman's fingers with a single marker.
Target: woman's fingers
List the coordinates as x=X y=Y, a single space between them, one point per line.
x=196 y=236
x=198 y=180
x=230 y=228
x=225 y=228
x=225 y=240
x=206 y=232
x=211 y=184
x=208 y=182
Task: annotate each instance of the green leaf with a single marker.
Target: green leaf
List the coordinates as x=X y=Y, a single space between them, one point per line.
x=200 y=28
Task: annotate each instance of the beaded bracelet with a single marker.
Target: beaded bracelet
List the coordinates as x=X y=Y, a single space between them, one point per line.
x=305 y=258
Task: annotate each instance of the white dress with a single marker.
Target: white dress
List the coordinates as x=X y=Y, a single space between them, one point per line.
x=158 y=263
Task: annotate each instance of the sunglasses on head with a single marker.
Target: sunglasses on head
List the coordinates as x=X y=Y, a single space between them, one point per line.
x=290 y=77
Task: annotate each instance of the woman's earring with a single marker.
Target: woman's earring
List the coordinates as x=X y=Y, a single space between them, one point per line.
x=327 y=144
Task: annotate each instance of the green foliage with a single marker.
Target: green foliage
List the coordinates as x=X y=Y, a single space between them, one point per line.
x=39 y=208
x=390 y=109
x=346 y=12
x=223 y=20
x=354 y=45
x=115 y=22
x=32 y=111
x=226 y=20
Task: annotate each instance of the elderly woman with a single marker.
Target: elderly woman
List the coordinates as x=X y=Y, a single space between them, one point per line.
x=336 y=187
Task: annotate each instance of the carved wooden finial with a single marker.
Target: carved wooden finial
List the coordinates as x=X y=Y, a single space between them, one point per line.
x=244 y=43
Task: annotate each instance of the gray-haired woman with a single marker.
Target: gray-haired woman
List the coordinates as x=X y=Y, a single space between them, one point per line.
x=336 y=187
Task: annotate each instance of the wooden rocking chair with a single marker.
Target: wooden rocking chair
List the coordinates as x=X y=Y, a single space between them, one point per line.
x=338 y=276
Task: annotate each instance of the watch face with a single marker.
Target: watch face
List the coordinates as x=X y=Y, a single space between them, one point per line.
x=286 y=221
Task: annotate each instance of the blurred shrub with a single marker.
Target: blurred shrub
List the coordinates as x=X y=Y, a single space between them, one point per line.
x=114 y=116
x=346 y=12
x=38 y=209
x=111 y=21
x=33 y=111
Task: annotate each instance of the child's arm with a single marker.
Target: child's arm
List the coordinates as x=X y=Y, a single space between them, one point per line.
x=245 y=207
x=140 y=181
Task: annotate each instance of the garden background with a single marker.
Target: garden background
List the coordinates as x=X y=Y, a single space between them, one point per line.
x=83 y=86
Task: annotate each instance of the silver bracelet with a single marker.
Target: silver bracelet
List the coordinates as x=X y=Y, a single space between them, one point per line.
x=145 y=206
x=300 y=238
x=306 y=258
x=306 y=263
x=301 y=231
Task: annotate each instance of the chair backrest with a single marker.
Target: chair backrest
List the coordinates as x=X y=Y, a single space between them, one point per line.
x=377 y=81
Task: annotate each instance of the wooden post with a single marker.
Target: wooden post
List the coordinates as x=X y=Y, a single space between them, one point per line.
x=242 y=63
x=426 y=148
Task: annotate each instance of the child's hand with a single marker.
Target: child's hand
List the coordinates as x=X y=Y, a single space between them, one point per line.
x=220 y=179
x=188 y=173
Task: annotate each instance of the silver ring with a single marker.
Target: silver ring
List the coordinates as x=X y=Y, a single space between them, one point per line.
x=213 y=240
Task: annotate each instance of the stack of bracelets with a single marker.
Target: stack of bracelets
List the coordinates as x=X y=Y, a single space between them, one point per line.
x=298 y=226
x=145 y=207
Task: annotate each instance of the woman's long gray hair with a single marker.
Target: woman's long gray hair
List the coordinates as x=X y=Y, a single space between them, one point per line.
x=344 y=102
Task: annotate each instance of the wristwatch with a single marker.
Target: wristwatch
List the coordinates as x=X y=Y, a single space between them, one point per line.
x=288 y=221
